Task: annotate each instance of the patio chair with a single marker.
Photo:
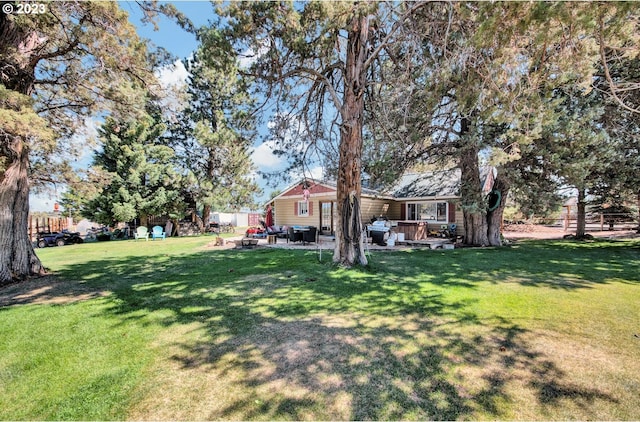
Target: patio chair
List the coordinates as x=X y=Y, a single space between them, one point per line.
x=274 y=230
x=141 y=233
x=293 y=235
x=284 y=232
x=157 y=233
x=309 y=235
x=453 y=230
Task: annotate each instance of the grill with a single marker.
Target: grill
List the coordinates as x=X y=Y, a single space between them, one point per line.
x=379 y=231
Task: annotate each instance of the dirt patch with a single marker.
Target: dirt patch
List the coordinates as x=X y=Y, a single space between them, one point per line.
x=278 y=368
x=46 y=290
x=531 y=231
x=220 y=243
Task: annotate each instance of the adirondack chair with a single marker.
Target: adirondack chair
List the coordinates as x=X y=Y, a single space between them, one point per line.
x=157 y=233
x=141 y=233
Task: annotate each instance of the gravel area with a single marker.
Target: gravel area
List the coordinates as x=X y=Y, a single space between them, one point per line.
x=530 y=231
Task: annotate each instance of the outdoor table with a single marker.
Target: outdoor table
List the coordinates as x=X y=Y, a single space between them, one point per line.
x=301 y=229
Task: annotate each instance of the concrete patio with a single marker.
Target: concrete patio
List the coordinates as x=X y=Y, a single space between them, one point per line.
x=328 y=243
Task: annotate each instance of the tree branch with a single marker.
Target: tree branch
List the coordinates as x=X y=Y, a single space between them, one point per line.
x=315 y=75
x=385 y=41
x=607 y=74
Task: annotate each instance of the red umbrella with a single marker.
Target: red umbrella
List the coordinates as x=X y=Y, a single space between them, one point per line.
x=269 y=217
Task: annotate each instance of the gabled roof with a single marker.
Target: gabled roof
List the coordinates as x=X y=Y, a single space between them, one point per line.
x=445 y=183
x=365 y=191
x=318 y=187
x=437 y=184
x=442 y=184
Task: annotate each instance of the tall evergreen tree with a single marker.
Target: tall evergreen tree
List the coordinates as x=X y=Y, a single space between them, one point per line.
x=578 y=145
x=615 y=29
x=314 y=58
x=617 y=184
x=492 y=70
x=61 y=65
x=217 y=127
x=140 y=173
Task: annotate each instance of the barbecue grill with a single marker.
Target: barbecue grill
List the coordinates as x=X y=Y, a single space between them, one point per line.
x=379 y=231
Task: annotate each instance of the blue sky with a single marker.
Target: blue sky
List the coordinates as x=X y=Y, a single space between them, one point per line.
x=181 y=44
x=169 y=34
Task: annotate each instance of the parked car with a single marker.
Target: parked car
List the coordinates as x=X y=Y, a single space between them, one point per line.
x=65 y=237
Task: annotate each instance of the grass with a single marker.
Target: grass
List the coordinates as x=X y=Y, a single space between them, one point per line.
x=178 y=330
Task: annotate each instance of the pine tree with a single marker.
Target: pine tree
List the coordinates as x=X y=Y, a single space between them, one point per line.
x=314 y=59
x=488 y=89
x=56 y=67
x=217 y=128
x=142 y=179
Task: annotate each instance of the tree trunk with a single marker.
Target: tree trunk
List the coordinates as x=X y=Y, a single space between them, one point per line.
x=473 y=204
x=349 y=248
x=17 y=256
x=638 y=229
x=494 y=218
x=206 y=213
x=581 y=218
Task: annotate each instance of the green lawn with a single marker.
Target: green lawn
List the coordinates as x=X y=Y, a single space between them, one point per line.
x=177 y=330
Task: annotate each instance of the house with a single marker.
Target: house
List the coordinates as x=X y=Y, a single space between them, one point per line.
x=415 y=204
x=313 y=203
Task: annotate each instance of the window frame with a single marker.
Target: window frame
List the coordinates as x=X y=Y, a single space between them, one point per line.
x=414 y=211
x=301 y=208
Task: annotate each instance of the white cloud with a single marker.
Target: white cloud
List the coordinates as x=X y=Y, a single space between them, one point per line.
x=314 y=173
x=317 y=172
x=250 y=56
x=172 y=89
x=174 y=75
x=86 y=137
x=264 y=158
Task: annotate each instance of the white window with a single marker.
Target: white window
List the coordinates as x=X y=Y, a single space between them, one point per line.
x=429 y=211
x=303 y=209
x=412 y=211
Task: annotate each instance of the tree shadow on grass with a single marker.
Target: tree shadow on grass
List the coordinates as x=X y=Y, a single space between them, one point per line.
x=311 y=341
x=46 y=290
x=563 y=265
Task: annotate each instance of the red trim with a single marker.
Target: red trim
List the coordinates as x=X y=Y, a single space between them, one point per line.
x=313 y=189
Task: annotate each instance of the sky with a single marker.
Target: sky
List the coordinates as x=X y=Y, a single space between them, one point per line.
x=181 y=44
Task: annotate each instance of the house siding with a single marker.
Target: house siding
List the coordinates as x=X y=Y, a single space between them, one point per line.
x=286 y=206
x=285 y=211
x=373 y=207
x=398 y=212
x=394 y=209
